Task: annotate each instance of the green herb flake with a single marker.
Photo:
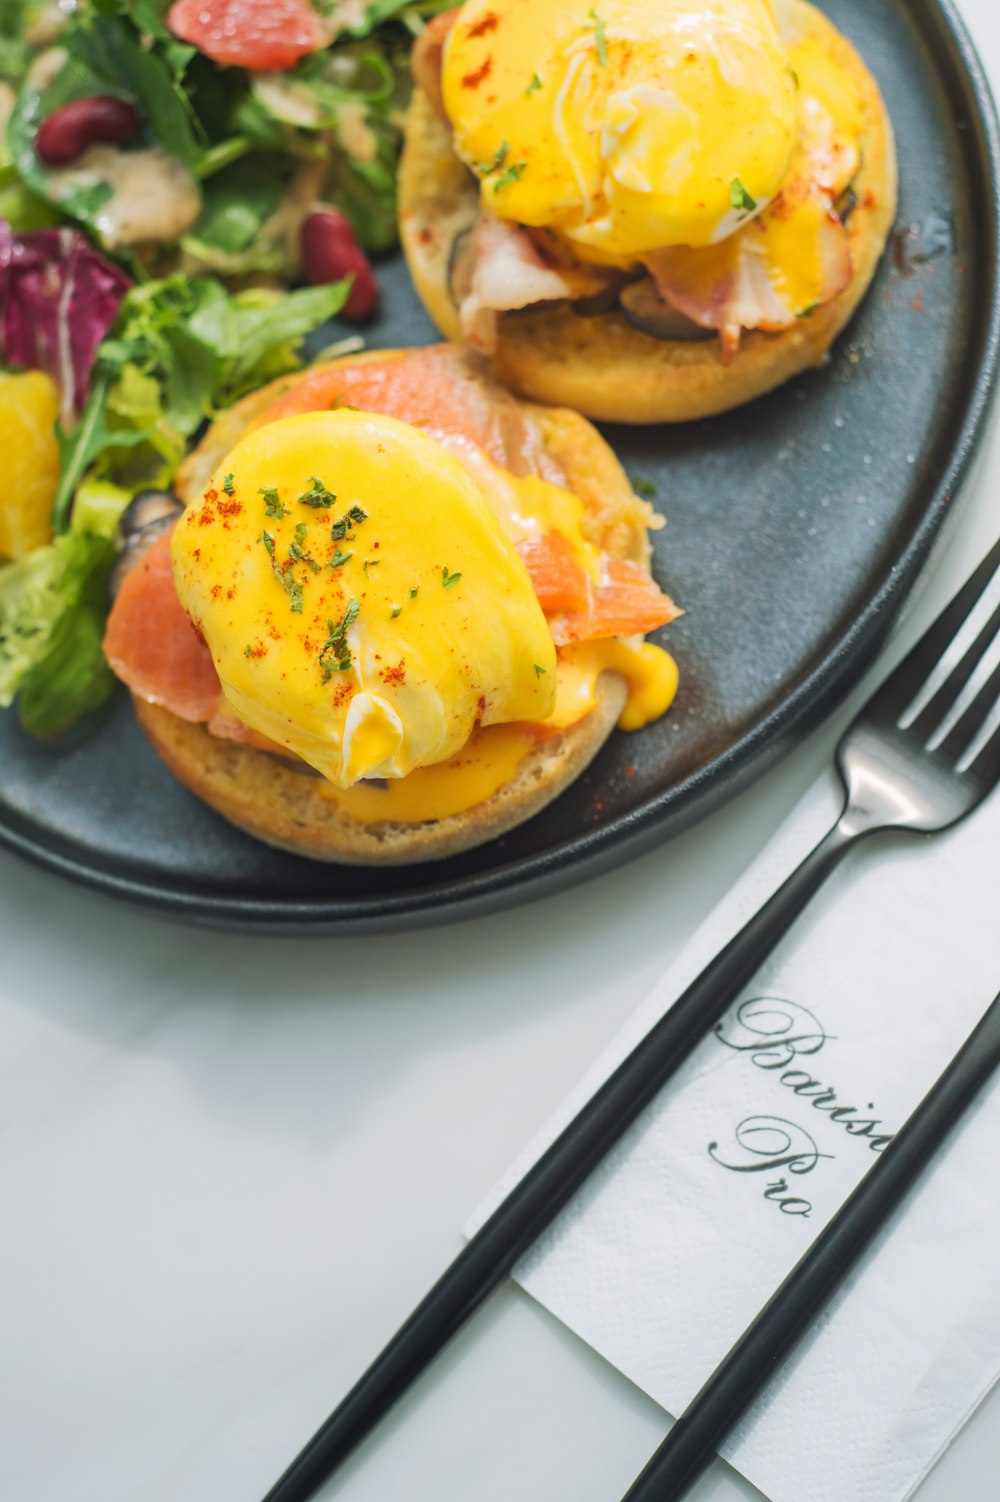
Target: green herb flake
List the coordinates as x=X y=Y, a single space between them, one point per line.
x=447 y=579
x=644 y=487
x=794 y=77
x=808 y=312
x=600 y=38
x=228 y=485
x=396 y=610
x=509 y=175
x=414 y=591
x=273 y=504
x=352 y=518
x=296 y=553
x=740 y=198
x=540 y=671
x=248 y=650
x=339 y=559
x=317 y=496
x=370 y=563
x=335 y=654
x=485 y=168
x=283 y=573
x=534 y=85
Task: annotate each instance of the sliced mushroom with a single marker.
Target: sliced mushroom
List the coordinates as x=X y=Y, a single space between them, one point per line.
x=460 y=266
x=147 y=516
x=605 y=301
x=646 y=311
x=846 y=204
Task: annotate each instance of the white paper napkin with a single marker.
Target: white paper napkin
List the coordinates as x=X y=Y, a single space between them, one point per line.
x=698 y=1214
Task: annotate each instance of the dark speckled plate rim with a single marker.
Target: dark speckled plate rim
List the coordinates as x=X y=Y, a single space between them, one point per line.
x=599 y=850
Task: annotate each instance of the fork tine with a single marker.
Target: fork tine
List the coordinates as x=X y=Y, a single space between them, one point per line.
x=986 y=767
x=905 y=682
x=963 y=733
x=936 y=711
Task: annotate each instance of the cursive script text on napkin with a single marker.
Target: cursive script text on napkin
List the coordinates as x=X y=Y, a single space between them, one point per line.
x=773 y=1033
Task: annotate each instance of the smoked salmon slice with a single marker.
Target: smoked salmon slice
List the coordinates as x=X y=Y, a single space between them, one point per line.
x=628 y=603
x=152 y=646
x=437 y=389
x=557 y=578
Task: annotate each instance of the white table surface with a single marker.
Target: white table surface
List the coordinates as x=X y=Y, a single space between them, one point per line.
x=230 y=1166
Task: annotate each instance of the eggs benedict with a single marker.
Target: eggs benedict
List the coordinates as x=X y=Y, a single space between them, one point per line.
x=649 y=210
x=398 y=614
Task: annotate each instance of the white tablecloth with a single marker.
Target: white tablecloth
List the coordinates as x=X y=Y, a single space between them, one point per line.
x=229 y=1167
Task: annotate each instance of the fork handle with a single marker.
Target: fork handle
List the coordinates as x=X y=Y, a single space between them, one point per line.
x=537 y=1199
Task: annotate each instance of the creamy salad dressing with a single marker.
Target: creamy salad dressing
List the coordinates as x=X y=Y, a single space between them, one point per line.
x=153 y=195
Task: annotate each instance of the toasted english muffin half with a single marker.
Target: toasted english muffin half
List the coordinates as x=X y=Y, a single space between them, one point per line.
x=287 y=805
x=599 y=364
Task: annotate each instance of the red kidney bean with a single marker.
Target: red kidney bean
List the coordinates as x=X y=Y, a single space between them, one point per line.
x=331 y=251
x=68 y=132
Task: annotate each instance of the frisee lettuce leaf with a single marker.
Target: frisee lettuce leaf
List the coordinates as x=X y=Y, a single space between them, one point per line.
x=183 y=348
x=52 y=610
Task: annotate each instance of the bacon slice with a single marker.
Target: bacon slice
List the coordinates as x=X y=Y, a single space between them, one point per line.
x=502 y=269
x=791 y=259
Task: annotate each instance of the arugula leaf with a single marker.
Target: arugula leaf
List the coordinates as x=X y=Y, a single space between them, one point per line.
x=79 y=449
x=111 y=49
x=258 y=331
x=239 y=199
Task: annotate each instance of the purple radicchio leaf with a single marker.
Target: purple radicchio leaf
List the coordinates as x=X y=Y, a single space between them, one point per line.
x=58 y=300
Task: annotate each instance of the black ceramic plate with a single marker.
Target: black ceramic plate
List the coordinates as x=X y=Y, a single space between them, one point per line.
x=796 y=527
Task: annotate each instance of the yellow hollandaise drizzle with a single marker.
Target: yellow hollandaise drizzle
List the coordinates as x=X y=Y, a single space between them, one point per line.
x=492 y=756
x=488 y=761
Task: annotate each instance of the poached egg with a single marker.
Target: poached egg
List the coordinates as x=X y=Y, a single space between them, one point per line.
x=625 y=126
x=362 y=604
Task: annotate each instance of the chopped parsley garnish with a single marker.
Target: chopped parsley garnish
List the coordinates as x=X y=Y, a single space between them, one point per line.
x=534 y=85
x=273 y=503
x=540 y=671
x=808 y=312
x=352 y=518
x=794 y=77
x=740 y=198
x=642 y=486
x=600 y=39
x=339 y=558
x=370 y=563
x=248 y=650
x=509 y=175
x=335 y=654
x=295 y=551
x=283 y=573
x=447 y=579
x=228 y=485
x=396 y=610
x=317 y=496
x=485 y=168
x=414 y=591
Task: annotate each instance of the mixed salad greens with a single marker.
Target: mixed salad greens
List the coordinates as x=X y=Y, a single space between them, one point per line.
x=146 y=265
